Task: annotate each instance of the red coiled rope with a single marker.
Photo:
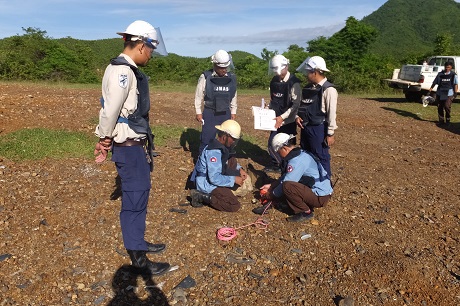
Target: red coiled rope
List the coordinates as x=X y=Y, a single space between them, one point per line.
x=228 y=233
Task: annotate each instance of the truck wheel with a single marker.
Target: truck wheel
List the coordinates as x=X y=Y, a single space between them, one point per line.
x=413 y=96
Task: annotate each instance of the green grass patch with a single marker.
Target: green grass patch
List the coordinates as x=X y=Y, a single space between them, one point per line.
x=164 y=134
x=34 y=144
x=39 y=143
x=417 y=111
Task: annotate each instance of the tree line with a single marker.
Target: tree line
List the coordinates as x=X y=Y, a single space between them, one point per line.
x=354 y=68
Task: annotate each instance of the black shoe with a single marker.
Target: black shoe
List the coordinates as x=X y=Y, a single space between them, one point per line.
x=157 y=268
x=199 y=198
x=260 y=210
x=140 y=261
x=195 y=194
x=303 y=216
x=274 y=169
x=155 y=248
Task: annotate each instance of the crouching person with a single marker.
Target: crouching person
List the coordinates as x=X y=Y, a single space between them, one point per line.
x=217 y=171
x=303 y=183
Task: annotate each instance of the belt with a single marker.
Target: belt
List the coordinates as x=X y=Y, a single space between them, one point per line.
x=130 y=143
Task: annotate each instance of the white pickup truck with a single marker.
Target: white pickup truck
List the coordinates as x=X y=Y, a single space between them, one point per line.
x=416 y=80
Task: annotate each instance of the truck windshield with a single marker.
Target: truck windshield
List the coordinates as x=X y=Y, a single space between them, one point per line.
x=440 y=61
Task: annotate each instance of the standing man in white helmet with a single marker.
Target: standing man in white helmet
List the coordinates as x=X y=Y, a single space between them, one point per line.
x=303 y=183
x=124 y=128
x=216 y=89
x=217 y=172
x=284 y=100
x=317 y=111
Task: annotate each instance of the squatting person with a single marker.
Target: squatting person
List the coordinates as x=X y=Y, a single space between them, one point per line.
x=217 y=171
x=303 y=183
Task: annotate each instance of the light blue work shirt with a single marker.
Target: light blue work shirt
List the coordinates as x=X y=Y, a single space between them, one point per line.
x=304 y=165
x=209 y=171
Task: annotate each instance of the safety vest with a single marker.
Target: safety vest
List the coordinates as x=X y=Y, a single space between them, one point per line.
x=280 y=94
x=446 y=83
x=311 y=104
x=219 y=91
x=138 y=121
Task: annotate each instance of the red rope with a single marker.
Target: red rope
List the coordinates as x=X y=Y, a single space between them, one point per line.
x=228 y=233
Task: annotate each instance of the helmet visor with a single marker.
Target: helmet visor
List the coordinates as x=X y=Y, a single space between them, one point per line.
x=304 y=68
x=156 y=44
x=275 y=70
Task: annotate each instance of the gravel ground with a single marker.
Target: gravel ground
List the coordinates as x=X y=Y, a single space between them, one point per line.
x=389 y=236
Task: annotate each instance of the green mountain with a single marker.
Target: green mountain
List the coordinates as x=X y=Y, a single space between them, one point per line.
x=410 y=26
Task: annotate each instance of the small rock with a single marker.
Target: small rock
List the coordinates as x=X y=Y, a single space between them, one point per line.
x=296 y=251
x=274 y=272
x=408 y=252
x=314 y=222
x=4 y=257
x=302 y=278
x=99 y=300
x=187 y=282
x=234 y=258
x=347 y=301
x=256 y=276
x=179 y=295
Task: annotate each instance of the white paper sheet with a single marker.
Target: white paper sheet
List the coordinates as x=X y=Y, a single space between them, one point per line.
x=264 y=118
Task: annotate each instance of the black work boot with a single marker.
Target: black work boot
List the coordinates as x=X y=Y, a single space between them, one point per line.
x=155 y=248
x=262 y=209
x=198 y=198
x=300 y=217
x=139 y=260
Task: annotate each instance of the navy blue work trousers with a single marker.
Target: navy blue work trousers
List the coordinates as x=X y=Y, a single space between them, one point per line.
x=134 y=171
x=208 y=130
x=312 y=139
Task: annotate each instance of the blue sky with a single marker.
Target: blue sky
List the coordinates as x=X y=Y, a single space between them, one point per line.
x=189 y=27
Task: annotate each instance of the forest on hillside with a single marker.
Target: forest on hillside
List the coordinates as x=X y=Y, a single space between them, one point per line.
x=359 y=55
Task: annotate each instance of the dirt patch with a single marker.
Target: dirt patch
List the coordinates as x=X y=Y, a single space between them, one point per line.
x=389 y=236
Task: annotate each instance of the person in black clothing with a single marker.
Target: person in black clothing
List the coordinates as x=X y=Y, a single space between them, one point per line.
x=285 y=98
x=317 y=112
x=446 y=92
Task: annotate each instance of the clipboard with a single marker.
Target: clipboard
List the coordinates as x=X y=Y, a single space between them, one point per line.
x=264 y=118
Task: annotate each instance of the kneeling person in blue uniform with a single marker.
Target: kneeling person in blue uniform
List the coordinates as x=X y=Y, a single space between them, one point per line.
x=303 y=182
x=217 y=172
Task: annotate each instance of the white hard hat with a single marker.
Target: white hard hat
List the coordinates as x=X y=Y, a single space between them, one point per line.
x=221 y=58
x=280 y=140
x=427 y=100
x=151 y=36
x=313 y=63
x=277 y=63
x=230 y=127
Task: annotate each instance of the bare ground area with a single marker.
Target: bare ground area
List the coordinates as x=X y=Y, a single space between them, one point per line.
x=390 y=235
